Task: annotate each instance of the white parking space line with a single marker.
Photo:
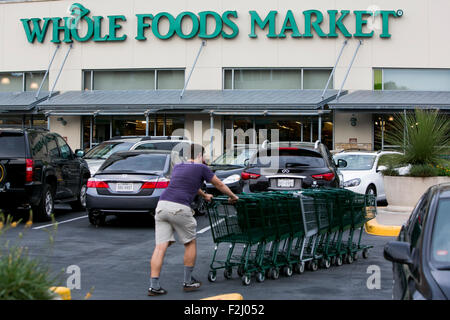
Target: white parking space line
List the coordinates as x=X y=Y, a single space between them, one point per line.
x=58 y=222
x=207 y=228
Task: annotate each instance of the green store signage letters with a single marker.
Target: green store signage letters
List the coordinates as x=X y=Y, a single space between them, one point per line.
x=101 y=29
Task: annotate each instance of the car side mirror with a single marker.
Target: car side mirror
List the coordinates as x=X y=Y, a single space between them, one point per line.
x=398 y=252
x=79 y=153
x=341 y=163
x=381 y=168
x=246 y=162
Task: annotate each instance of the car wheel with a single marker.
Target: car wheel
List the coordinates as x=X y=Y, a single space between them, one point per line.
x=371 y=190
x=97 y=219
x=80 y=203
x=44 y=210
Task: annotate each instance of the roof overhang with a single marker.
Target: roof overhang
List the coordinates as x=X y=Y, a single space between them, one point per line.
x=398 y=100
x=139 y=101
x=21 y=102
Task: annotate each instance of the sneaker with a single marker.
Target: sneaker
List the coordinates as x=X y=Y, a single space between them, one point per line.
x=156 y=292
x=193 y=285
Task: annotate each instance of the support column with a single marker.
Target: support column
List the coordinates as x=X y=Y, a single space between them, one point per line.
x=319 y=136
x=211 y=119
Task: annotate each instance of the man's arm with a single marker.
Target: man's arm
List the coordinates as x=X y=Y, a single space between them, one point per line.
x=222 y=187
x=204 y=195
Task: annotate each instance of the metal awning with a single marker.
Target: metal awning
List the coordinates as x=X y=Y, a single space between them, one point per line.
x=129 y=101
x=395 y=100
x=19 y=102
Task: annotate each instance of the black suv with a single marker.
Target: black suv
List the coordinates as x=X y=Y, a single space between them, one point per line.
x=291 y=166
x=37 y=168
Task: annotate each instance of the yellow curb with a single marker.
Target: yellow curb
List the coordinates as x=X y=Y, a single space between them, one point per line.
x=63 y=292
x=229 y=296
x=374 y=228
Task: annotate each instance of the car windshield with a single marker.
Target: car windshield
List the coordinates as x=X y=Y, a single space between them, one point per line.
x=356 y=161
x=105 y=149
x=235 y=156
x=288 y=158
x=144 y=163
x=12 y=145
x=440 y=245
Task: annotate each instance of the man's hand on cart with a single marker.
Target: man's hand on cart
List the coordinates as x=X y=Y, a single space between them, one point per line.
x=233 y=199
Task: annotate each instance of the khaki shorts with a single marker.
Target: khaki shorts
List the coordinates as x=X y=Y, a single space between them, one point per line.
x=171 y=217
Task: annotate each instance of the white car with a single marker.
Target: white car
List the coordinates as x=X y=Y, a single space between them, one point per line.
x=363 y=174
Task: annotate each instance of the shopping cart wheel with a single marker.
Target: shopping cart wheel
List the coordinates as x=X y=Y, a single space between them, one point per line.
x=349 y=258
x=313 y=265
x=228 y=273
x=339 y=260
x=287 y=270
x=274 y=273
x=246 y=280
x=365 y=253
x=212 y=276
x=260 y=276
x=326 y=263
x=333 y=260
x=300 y=268
x=240 y=271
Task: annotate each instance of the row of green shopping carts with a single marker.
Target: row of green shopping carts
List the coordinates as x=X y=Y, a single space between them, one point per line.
x=272 y=232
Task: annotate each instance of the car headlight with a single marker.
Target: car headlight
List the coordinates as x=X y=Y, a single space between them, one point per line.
x=232 y=179
x=352 y=183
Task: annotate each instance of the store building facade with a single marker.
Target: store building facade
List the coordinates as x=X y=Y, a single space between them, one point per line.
x=332 y=70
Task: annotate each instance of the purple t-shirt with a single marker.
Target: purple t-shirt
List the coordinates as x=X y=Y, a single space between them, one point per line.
x=186 y=179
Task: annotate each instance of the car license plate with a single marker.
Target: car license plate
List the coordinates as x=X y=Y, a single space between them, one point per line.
x=285 y=183
x=124 y=187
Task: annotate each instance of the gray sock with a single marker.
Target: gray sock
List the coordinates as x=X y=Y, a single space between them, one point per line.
x=187 y=274
x=154 y=283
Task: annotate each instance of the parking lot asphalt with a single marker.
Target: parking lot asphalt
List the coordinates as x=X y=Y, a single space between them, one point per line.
x=114 y=264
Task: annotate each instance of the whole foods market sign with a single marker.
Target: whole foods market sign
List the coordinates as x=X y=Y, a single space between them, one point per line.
x=82 y=27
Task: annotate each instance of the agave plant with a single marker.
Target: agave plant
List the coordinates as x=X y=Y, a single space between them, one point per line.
x=424 y=136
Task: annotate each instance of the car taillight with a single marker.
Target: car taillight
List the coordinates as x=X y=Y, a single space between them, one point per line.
x=156 y=184
x=324 y=176
x=97 y=184
x=29 y=170
x=247 y=176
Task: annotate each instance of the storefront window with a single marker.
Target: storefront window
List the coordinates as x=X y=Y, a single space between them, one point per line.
x=128 y=126
x=298 y=128
x=316 y=79
x=412 y=79
x=106 y=127
x=29 y=120
x=124 y=80
x=170 y=79
x=22 y=81
x=276 y=78
x=33 y=81
x=133 y=79
x=11 y=82
x=382 y=124
x=267 y=79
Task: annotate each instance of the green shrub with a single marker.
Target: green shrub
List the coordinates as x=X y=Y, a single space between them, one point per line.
x=21 y=276
x=422 y=135
x=390 y=172
x=423 y=170
x=24 y=278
